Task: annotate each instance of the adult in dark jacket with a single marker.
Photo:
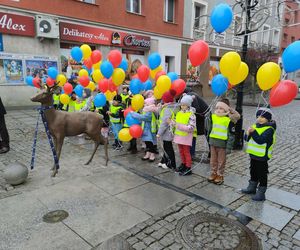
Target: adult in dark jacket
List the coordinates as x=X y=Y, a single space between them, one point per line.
x=201 y=109
x=4 y=143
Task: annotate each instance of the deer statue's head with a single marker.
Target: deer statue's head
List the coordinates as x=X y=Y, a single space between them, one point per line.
x=45 y=95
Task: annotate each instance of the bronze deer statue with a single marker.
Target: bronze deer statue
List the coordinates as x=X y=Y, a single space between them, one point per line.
x=62 y=124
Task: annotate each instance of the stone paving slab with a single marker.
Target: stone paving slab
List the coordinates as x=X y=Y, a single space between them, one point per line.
x=21 y=227
x=236 y=181
x=105 y=219
x=151 y=198
x=216 y=193
x=116 y=181
x=284 y=198
x=179 y=181
x=202 y=170
x=297 y=235
x=267 y=214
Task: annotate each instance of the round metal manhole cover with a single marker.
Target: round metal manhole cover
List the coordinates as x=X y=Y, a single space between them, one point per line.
x=55 y=216
x=208 y=231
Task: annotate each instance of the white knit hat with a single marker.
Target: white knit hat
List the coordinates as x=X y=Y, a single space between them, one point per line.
x=187 y=100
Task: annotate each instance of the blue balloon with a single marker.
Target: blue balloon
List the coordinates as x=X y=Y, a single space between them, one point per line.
x=76 y=54
x=52 y=72
x=173 y=76
x=107 y=69
x=219 y=84
x=135 y=86
x=131 y=121
x=100 y=100
x=291 y=57
x=221 y=17
x=154 y=60
x=148 y=85
x=124 y=64
x=29 y=80
x=78 y=90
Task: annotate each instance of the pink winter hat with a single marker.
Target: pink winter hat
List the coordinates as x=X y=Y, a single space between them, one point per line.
x=223 y=106
x=149 y=101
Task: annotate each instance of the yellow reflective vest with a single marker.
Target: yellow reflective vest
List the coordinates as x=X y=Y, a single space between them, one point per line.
x=153 y=123
x=71 y=106
x=220 y=126
x=55 y=99
x=182 y=118
x=260 y=150
x=114 y=110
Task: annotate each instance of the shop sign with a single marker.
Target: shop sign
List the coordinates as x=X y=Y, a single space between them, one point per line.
x=16 y=24
x=94 y=35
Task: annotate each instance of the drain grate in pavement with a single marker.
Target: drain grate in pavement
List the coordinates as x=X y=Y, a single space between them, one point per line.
x=209 y=231
x=55 y=216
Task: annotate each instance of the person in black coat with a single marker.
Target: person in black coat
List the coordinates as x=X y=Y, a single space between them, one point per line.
x=4 y=143
x=201 y=109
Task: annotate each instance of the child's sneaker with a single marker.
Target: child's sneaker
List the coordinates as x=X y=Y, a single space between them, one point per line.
x=186 y=171
x=164 y=166
x=180 y=168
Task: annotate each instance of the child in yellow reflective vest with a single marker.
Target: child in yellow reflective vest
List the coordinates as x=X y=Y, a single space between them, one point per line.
x=185 y=123
x=116 y=116
x=260 y=139
x=222 y=119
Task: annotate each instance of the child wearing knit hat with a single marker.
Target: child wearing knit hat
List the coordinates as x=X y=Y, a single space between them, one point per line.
x=165 y=133
x=260 y=139
x=222 y=119
x=185 y=123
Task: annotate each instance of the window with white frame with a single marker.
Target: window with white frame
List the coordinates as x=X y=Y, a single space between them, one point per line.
x=169 y=11
x=133 y=6
x=200 y=12
x=219 y=38
x=275 y=39
x=265 y=34
x=238 y=24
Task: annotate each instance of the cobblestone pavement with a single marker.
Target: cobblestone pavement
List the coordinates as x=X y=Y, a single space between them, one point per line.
x=162 y=230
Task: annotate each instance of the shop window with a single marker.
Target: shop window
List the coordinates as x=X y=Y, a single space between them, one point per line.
x=170 y=11
x=170 y=63
x=133 y=6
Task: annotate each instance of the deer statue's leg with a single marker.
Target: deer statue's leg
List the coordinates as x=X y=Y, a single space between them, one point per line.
x=105 y=140
x=96 y=138
x=59 y=144
x=55 y=146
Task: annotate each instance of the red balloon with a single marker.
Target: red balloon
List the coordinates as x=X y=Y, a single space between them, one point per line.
x=84 y=81
x=283 y=93
x=36 y=82
x=143 y=73
x=115 y=57
x=111 y=86
x=88 y=63
x=68 y=88
x=198 y=52
x=96 y=56
x=159 y=73
x=179 y=86
x=50 y=82
x=136 y=131
x=103 y=85
x=126 y=111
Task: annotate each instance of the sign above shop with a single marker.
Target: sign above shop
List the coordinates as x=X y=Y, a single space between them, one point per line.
x=16 y=24
x=94 y=35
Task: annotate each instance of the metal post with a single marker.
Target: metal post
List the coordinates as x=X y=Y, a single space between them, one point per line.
x=238 y=143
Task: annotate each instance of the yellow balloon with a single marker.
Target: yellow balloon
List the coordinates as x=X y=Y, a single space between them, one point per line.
x=124 y=135
x=268 y=75
x=230 y=63
x=97 y=65
x=240 y=75
x=154 y=71
x=61 y=80
x=137 y=102
x=91 y=86
x=64 y=99
x=86 y=51
x=118 y=76
x=163 y=83
x=109 y=95
x=83 y=72
x=157 y=94
x=97 y=75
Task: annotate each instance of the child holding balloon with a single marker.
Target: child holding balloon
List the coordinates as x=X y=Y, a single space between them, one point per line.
x=116 y=115
x=222 y=119
x=148 y=120
x=185 y=123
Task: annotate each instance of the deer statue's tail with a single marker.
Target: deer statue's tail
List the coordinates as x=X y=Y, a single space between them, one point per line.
x=106 y=150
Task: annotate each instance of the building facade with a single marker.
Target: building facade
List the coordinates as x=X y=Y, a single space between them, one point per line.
x=39 y=34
